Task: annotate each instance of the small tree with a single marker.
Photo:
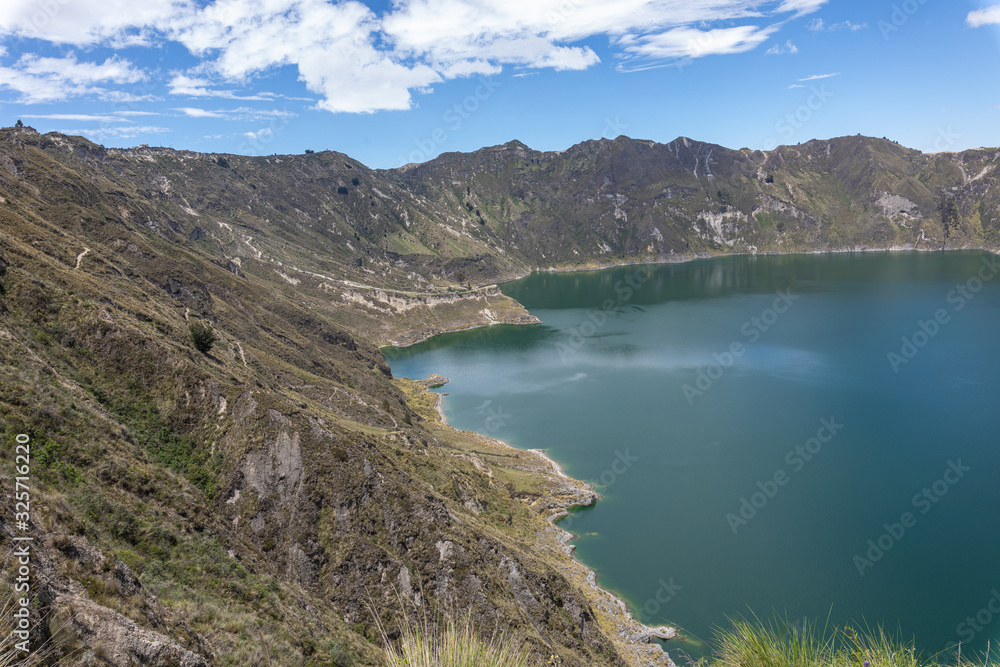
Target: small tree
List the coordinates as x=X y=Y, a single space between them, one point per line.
x=202 y=336
x=18 y=123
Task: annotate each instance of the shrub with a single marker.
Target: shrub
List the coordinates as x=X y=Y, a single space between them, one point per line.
x=202 y=336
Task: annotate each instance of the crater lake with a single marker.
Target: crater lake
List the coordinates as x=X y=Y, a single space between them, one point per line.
x=807 y=435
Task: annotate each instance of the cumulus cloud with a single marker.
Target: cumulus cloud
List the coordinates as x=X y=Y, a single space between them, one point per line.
x=263 y=132
x=984 y=16
x=39 y=79
x=89 y=22
x=357 y=60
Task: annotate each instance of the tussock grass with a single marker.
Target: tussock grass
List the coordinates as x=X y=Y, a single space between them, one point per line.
x=56 y=650
x=775 y=643
x=453 y=644
x=779 y=643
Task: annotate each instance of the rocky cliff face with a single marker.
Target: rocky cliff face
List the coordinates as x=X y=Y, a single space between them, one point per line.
x=271 y=499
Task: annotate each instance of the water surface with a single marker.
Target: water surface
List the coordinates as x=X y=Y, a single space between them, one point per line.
x=750 y=433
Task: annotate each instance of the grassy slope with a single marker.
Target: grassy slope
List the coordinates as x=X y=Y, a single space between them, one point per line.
x=271 y=493
x=263 y=492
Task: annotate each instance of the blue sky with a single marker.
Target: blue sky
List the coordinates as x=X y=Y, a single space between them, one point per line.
x=403 y=81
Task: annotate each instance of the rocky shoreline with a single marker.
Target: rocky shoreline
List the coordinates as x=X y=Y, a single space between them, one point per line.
x=633 y=639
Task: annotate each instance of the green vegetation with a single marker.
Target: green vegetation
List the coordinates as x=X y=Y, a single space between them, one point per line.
x=202 y=336
x=781 y=643
x=240 y=508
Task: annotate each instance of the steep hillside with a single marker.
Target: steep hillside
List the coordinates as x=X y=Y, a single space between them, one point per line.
x=627 y=200
x=268 y=500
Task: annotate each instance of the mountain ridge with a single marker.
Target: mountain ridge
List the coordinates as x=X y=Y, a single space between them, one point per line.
x=284 y=486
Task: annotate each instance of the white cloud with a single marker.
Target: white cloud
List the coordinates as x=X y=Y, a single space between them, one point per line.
x=125 y=98
x=359 y=61
x=183 y=85
x=693 y=43
x=264 y=132
x=89 y=22
x=194 y=112
x=796 y=85
x=333 y=46
x=77 y=116
x=985 y=16
x=246 y=113
x=240 y=113
x=39 y=79
x=801 y=7
x=125 y=132
x=817 y=77
x=817 y=25
x=778 y=49
x=136 y=113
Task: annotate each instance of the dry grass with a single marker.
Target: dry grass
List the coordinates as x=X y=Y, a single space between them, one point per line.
x=453 y=644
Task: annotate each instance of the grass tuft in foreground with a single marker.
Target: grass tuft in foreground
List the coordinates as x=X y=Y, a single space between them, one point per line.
x=779 y=643
x=453 y=644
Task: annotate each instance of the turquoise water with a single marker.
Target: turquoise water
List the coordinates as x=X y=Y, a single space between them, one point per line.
x=762 y=436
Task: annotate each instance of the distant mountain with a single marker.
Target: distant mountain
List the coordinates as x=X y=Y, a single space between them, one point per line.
x=262 y=501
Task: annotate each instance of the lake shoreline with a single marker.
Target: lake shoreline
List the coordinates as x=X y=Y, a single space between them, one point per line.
x=679 y=259
x=633 y=638
x=611 y=606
